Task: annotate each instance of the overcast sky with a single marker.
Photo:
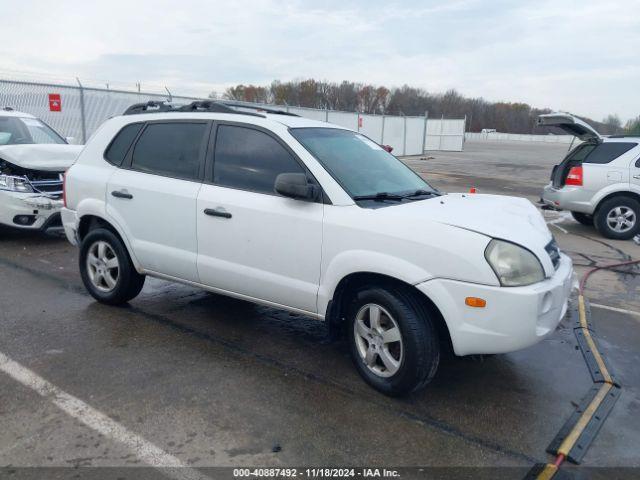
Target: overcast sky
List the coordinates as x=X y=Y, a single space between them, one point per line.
x=581 y=56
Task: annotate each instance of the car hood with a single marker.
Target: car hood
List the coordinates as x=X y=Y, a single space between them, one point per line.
x=46 y=157
x=508 y=218
x=570 y=124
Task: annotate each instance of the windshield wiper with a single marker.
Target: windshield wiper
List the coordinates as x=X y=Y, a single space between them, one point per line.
x=380 y=196
x=395 y=196
x=421 y=192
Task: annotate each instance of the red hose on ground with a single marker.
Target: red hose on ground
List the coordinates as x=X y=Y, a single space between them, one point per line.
x=583 y=282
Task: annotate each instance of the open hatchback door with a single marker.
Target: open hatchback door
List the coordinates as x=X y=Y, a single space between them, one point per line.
x=570 y=124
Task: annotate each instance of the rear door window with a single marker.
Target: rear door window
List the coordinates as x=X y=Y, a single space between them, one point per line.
x=171 y=149
x=608 y=151
x=249 y=159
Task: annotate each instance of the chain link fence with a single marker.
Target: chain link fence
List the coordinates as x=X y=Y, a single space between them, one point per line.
x=80 y=111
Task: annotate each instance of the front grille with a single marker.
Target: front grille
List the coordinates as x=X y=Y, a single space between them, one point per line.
x=51 y=187
x=554 y=253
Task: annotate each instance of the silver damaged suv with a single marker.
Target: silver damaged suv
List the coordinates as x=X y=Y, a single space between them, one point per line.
x=598 y=181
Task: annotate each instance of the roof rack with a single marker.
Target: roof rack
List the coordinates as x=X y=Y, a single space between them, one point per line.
x=212 y=106
x=259 y=108
x=148 y=107
x=8 y=109
x=623 y=136
x=197 y=106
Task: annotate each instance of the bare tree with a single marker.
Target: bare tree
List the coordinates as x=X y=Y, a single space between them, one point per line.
x=632 y=127
x=613 y=124
x=406 y=100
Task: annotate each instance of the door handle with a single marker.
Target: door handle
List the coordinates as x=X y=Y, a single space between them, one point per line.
x=216 y=213
x=637 y=177
x=122 y=194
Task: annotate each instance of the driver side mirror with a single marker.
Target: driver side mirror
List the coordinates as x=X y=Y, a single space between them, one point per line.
x=295 y=185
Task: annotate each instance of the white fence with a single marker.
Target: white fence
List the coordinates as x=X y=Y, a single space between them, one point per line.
x=445 y=134
x=82 y=110
x=519 y=137
x=407 y=135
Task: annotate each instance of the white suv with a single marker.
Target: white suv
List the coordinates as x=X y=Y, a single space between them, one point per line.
x=316 y=219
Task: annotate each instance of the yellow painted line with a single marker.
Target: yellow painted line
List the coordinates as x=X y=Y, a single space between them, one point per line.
x=549 y=471
x=592 y=344
x=583 y=421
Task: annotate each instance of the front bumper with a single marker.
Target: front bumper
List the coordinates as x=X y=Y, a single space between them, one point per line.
x=514 y=317
x=574 y=199
x=41 y=210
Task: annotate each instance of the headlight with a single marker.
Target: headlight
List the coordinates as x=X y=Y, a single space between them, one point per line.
x=15 y=184
x=514 y=265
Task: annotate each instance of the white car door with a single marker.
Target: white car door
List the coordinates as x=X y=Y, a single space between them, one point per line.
x=253 y=242
x=153 y=197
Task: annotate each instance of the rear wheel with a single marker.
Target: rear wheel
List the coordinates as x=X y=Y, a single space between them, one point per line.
x=393 y=341
x=106 y=268
x=618 y=218
x=583 y=218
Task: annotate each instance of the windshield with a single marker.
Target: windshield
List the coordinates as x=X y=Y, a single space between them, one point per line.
x=25 y=130
x=359 y=165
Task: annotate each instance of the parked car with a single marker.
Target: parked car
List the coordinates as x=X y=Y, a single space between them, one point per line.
x=316 y=219
x=598 y=181
x=33 y=158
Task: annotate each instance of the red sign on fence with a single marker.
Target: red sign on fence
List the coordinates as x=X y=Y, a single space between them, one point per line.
x=359 y=121
x=55 y=103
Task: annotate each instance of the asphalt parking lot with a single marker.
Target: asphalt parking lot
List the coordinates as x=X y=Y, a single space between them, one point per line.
x=214 y=381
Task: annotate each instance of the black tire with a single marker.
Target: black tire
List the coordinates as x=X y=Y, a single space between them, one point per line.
x=129 y=282
x=583 y=218
x=626 y=203
x=420 y=344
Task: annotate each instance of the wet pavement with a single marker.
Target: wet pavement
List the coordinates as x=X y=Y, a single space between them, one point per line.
x=216 y=381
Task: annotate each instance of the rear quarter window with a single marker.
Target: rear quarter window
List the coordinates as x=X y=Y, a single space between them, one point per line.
x=608 y=151
x=119 y=146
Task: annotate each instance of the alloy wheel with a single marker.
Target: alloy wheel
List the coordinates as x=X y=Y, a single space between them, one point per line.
x=378 y=340
x=621 y=219
x=103 y=266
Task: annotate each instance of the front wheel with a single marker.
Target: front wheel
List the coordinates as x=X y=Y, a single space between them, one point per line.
x=106 y=268
x=393 y=341
x=618 y=218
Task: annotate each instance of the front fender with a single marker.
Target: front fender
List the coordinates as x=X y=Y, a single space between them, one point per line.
x=364 y=261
